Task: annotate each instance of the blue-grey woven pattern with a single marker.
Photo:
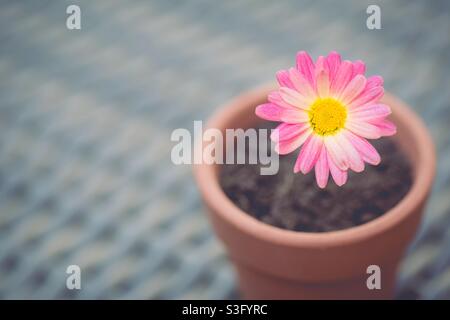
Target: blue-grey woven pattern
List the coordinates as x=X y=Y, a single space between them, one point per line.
x=86 y=118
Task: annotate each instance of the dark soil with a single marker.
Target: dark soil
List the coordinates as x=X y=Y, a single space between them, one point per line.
x=295 y=202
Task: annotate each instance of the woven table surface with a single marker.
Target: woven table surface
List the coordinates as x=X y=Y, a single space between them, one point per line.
x=86 y=117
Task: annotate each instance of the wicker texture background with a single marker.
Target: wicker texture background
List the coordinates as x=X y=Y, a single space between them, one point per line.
x=86 y=117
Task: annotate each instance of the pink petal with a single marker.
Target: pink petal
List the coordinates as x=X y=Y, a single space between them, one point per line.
x=283 y=79
x=269 y=111
x=355 y=161
x=294 y=116
x=308 y=155
x=368 y=96
x=368 y=112
x=322 y=169
x=275 y=98
x=386 y=127
x=368 y=153
x=374 y=81
x=306 y=66
x=294 y=98
x=342 y=78
x=353 y=89
x=336 y=152
x=287 y=146
x=302 y=85
x=358 y=68
x=334 y=62
x=321 y=64
x=363 y=129
x=286 y=131
x=339 y=176
x=322 y=77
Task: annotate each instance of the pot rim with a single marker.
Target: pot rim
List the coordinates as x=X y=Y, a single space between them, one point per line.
x=210 y=188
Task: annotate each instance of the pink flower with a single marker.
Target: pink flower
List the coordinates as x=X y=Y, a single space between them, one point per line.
x=330 y=109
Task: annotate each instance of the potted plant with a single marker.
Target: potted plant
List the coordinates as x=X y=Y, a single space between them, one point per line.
x=328 y=110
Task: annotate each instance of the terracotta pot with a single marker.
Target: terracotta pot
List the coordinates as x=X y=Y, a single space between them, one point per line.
x=274 y=263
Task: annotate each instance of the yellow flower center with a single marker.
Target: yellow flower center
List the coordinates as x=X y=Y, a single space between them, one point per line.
x=327 y=116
